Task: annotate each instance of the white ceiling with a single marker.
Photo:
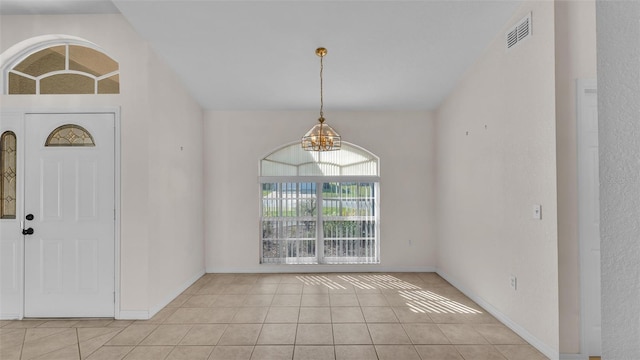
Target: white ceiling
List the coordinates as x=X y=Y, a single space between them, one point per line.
x=260 y=55
x=22 y=7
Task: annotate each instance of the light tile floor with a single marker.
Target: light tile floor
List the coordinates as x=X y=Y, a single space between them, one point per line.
x=399 y=316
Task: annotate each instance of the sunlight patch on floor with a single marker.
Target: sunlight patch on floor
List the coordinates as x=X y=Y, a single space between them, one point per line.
x=320 y=280
x=423 y=301
x=377 y=282
x=418 y=300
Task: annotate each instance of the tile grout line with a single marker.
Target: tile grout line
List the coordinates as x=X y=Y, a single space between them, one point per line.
x=24 y=337
x=78 y=344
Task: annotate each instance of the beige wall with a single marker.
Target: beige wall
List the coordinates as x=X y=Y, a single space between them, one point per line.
x=489 y=179
x=575 y=46
x=176 y=192
x=236 y=141
x=157 y=117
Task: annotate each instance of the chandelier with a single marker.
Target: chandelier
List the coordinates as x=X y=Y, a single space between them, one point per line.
x=321 y=137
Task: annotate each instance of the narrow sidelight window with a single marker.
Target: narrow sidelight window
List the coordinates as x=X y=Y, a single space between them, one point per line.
x=8 y=162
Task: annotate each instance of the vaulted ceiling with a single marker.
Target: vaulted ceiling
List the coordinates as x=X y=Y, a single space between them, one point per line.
x=260 y=55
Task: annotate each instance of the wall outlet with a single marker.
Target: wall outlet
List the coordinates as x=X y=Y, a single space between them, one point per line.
x=513 y=282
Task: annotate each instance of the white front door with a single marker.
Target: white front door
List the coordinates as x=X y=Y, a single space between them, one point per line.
x=69 y=197
x=589 y=216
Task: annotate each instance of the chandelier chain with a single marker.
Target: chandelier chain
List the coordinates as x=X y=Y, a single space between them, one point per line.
x=321 y=88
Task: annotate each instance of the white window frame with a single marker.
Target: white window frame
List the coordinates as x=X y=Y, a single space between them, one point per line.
x=319 y=180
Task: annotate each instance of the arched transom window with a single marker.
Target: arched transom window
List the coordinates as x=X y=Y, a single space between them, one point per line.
x=63 y=69
x=320 y=207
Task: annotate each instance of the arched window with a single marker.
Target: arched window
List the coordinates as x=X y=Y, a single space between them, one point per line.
x=320 y=207
x=63 y=67
x=8 y=162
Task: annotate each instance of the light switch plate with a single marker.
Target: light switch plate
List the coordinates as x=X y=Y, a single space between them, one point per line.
x=537 y=212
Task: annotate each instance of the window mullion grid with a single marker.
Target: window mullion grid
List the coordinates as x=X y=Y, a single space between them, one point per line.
x=287 y=217
x=376 y=215
x=297 y=222
x=361 y=228
x=319 y=224
x=366 y=231
x=66 y=57
x=358 y=229
x=339 y=244
x=282 y=244
x=346 y=234
x=368 y=223
x=261 y=224
x=348 y=231
x=370 y=203
x=364 y=211
x=341 y=222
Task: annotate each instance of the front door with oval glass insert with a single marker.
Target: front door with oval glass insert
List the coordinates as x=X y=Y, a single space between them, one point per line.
x=69 y=224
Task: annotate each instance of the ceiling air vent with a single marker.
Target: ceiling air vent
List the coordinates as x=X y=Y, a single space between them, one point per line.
x=521 y=31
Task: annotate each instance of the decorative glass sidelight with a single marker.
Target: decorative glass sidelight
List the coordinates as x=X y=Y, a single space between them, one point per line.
x=8 y=170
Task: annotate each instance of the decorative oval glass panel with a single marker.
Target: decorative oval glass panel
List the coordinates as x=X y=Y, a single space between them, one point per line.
x=70 y=135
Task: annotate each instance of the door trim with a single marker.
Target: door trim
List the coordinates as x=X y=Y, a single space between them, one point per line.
x=583 y=86
x=117 y=188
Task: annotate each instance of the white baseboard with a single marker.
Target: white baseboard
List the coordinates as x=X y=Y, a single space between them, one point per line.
x=573 y=357
x=146 y=315
x=282 y=268
x=526 y=335
x=133 y=315
x=10 y=317
x=169 y=298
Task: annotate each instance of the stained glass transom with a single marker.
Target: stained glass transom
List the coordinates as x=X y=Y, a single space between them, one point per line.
x=70 y=135
x=8 y=161
x=65 y=69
